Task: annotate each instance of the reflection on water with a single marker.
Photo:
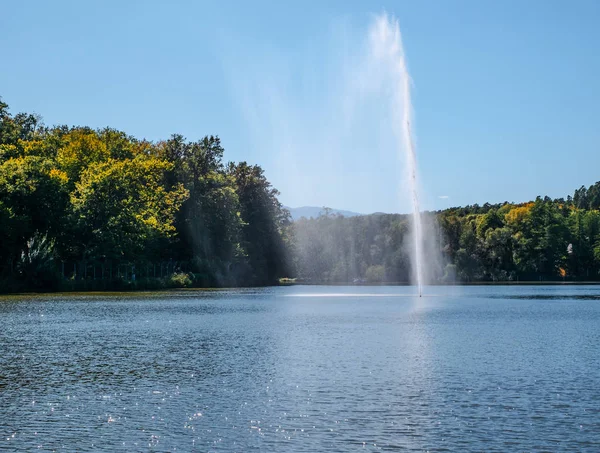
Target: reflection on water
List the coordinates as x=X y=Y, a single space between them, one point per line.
x=337 y=369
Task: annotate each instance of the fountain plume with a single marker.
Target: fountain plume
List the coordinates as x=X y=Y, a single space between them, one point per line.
x=360 y=100
x=387 y=48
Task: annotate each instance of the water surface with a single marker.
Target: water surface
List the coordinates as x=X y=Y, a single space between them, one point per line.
x=310 y=369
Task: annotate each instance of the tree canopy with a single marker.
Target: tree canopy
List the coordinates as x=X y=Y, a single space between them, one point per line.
x=541 y=240
x=82 y=208
x=102 y=205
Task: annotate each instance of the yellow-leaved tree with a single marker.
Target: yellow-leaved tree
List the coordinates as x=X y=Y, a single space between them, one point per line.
x=121 y=206
x=82 y=147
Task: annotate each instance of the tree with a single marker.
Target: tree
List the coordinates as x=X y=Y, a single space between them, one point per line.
x=82 y=148
x=209 y=222
x=264 y=222
x=121 y=206
x=33 y=198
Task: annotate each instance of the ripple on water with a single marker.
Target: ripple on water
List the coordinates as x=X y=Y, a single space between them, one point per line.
x=485 y=370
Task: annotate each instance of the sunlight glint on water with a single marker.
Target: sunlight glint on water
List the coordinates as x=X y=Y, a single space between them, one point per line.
x=489 y=369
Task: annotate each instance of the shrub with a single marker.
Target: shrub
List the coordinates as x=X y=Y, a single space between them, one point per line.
x=180 y=280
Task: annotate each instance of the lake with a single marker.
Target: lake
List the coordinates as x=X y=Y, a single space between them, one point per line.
x=308 y=369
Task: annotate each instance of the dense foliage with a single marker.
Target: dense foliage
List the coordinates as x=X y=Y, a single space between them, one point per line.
x=83 y=208
x=98 y=209
x=543 y=240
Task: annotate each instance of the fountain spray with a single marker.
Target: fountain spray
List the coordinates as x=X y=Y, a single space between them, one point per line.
x=413 y=181
x=386 y=46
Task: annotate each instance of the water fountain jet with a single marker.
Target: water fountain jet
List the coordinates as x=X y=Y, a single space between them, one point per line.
x=386 y=46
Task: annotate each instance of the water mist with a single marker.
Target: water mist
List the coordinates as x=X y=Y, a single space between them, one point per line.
x=319 y=120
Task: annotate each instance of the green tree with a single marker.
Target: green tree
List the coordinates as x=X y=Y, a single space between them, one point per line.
x=265 y=221
x=121 y=206
x=33 y=198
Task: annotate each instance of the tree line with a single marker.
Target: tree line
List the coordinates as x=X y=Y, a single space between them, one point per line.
x=542 y=240
x=89 y=209
x=84 y=208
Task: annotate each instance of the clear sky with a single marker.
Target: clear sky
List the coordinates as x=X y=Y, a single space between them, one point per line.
x=506 y=93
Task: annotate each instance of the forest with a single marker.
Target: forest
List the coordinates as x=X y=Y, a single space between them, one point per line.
x=84 y=209
x=541 y=240
x=97 y=209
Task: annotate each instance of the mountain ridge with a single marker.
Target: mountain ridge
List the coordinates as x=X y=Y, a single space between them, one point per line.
x=316 y=211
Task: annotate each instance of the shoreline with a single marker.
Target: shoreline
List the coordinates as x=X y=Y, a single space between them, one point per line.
x=503 y=283
x=172 y=291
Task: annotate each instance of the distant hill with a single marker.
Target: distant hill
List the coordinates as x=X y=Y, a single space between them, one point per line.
x=315 y=211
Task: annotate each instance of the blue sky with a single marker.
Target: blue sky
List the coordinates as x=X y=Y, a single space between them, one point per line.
x=506 y=93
